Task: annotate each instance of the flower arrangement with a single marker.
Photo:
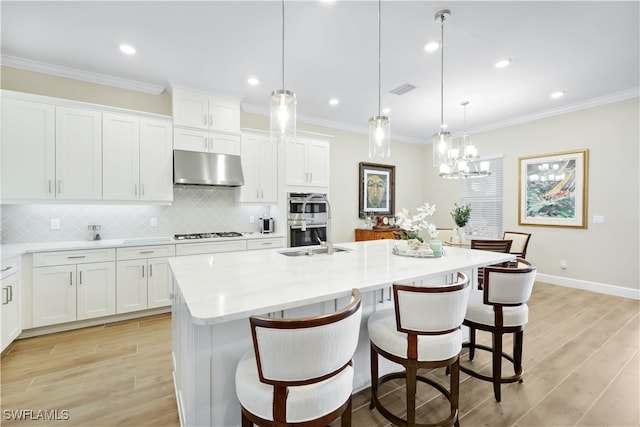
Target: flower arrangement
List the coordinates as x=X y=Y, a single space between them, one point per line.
x=461 y=214
x=412 y=224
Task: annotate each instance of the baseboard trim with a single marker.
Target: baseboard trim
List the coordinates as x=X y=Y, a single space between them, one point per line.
x=62 y=327
x=586 y=285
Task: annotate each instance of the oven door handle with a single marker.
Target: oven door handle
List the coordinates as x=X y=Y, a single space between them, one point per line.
x=298 y=227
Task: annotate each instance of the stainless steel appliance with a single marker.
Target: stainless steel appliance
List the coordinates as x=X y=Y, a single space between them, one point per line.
x=197 y=168
x=309 y=227
x=266 y=225
x=195 y=236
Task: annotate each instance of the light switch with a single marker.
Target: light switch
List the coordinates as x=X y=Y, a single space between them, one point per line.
x=154 y=222
x=55 y=224
x=598 y=219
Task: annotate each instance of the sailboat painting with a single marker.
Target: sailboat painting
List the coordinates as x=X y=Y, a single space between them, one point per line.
x=553 y=189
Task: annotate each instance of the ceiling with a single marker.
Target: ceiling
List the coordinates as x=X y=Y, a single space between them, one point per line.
x=588 y=49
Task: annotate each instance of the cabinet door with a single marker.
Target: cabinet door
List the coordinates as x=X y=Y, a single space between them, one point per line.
x=11 y=310
x=159 y=282
x=317 y=160
x=78 y=154
x=131 y=284
x=224 y=115
x=224 y=144
x=156 y=160
x=28 y=150
x=121 y=157
x=190 y=139
x=268 y=170
x=250 y=158
x=54 y=295
x=190 y=109
x=96 y=290
x=295 y=169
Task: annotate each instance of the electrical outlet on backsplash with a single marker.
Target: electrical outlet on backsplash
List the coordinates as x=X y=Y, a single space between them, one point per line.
x=194 y=210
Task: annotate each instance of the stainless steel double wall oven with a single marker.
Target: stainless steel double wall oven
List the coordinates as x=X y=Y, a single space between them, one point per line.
x=309 y=227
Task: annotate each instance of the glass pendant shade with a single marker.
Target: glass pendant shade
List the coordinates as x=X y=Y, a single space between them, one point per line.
x=379 y=137
x=283 y=115
x=443 y=150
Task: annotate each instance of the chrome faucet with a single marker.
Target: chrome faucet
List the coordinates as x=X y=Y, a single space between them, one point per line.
x=321 y=197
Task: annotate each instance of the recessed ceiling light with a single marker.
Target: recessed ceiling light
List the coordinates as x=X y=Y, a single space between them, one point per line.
x=557 y=94
x=503 y=63
x=334 y=101
x=127 y=49
x=431 y=46
x=386 y=110
x=253 y=81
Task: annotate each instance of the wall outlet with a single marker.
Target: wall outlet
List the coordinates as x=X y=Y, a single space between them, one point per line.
x=55 y=224
x=154 y=222
x=598 y=219
x=563 y=264
x=252 y=219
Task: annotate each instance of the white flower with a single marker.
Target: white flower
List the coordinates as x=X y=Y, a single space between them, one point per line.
x=414 y=223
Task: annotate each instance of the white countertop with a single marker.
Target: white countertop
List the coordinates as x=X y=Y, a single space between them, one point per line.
x=13 y=250
x=228 y=286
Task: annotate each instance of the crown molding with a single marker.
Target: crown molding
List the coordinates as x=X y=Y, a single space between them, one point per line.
x=76 y=74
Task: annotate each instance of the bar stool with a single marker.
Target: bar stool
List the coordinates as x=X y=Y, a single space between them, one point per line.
x=300 y=370
x=500 y=308
x=422 y=331
x=503 y=246
x=520 y=242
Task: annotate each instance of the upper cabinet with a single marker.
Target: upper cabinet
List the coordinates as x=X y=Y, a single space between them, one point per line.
x=50 y=152
x=260 y=169
x=204 y=122
x=137 y=158
x=55 y=149
x=307 y=162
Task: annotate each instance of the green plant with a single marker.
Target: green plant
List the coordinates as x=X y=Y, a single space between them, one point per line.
x=461 y=214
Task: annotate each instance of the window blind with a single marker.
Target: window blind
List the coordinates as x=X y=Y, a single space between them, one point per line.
x=485 y=197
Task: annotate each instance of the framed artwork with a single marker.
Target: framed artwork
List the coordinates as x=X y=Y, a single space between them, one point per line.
x=553 y=189
x=377 y=189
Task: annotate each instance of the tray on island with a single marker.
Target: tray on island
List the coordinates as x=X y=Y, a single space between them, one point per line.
x=417 y=253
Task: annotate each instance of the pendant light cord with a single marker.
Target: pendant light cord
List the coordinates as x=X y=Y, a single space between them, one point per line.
x=442 y=18
x=379 y=53
x=282 y=44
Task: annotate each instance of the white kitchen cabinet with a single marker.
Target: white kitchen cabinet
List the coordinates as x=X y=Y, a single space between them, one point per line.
x=307 y=162
x=78 y=154
x=11 y=309
x=143 y=277
x=50 y=152
x=259 y=156
x=268 y=243
x=28 y=150
x=137 y=158
x=73 y=285
x=210 y=142
x=211 y=247
x=204 y=111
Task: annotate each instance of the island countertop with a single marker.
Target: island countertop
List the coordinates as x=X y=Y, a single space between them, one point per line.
x=229 y=286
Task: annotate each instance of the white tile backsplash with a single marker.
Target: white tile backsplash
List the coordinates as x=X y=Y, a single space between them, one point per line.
x=194 y=210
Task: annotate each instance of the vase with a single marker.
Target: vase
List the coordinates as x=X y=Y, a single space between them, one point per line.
x=463 y=235
x=456 y=236
x=436 y=247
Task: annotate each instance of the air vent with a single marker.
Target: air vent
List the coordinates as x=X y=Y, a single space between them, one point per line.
x=401 y=90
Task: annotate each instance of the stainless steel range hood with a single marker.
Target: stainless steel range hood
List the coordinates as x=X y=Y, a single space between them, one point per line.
x=197 y=168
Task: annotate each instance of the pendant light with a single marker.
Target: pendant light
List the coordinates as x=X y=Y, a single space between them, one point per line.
x=283 y=106
x=379 y=126
x=469 y=165
x=443 y=150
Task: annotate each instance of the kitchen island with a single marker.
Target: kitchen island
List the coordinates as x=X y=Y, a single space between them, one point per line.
x=214 y=295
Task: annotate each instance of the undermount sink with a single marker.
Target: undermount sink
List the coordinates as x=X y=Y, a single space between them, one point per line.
x=312 y=251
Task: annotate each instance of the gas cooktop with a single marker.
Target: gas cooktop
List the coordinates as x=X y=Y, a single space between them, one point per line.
x=207 y=235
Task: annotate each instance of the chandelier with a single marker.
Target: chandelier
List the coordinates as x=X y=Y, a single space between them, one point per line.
x=283 y=107
x=454 y=158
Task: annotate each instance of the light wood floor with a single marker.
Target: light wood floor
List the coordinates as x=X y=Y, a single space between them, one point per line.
x=581 y=366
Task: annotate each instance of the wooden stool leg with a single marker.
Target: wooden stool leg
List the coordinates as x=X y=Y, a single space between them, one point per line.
x=497 y=363
x=517 y=352
x=454 y=388
x=472 y=342
x=374 y=376
x=245 y=421
x=411 y=373
x=345 y=418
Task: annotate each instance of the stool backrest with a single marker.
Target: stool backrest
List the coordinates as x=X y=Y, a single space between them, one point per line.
x=520 y=242
x=492 y=245
x=509 y=286
x=306 y=350
x=431 y=310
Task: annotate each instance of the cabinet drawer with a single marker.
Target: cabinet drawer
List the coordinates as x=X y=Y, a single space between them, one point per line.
x=10 y=266
x=42 y=259
x=211 y=248
x=265 y=243
x=140 y=252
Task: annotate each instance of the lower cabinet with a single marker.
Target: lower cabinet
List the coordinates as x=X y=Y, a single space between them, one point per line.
x=375 y=234
x=144 y=277
x=67 y=286
x=11 y=310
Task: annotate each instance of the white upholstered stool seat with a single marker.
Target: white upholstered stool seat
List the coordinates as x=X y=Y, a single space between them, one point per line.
x=500 y=308
x=421 y=331
x=300 y=371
